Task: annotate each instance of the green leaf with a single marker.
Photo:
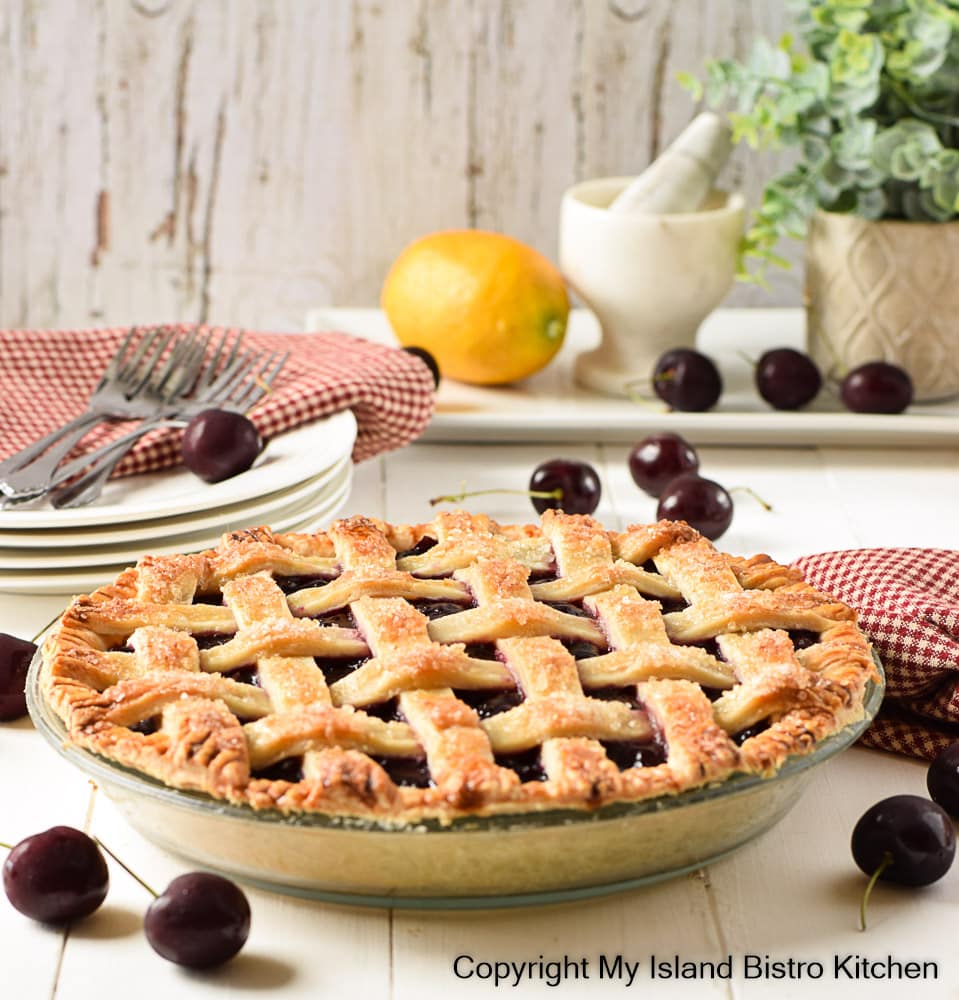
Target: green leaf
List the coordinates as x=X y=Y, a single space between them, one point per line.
x=690 y=83
x=901 y=150
x=852 y=144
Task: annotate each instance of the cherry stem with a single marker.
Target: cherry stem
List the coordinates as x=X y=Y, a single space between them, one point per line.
x=129 y=871
x=745 y=489
x=635 y=395
x=556 y=494
x=48 y=625
x=887 y=860
x=752 y=362
x=5 y=846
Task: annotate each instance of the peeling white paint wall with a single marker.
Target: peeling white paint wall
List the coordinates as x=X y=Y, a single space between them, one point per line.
x=244 y=160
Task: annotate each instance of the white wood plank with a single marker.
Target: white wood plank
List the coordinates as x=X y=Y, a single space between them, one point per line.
x=657 y=920
x=896 y=497
x=241 y=162
x=795 y=892
x=296 y=948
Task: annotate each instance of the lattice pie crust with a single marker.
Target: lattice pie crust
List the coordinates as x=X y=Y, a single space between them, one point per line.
x=455 y=668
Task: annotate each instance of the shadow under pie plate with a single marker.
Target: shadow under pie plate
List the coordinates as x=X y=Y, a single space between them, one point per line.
x=474 y=863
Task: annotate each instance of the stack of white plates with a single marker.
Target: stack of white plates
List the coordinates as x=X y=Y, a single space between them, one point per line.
x=299 y=483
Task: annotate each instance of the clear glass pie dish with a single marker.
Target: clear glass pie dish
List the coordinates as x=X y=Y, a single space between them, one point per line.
x=503 y=860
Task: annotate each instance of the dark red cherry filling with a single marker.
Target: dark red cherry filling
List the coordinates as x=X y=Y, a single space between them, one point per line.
x=542 y=575
x=207 y=640
x=489 y=703
x=580 y=649
x=334 y=670
x=291 y=584
x=146 y=726
x=214 y=597
x=528 y=764
x=245 y=675
x=482 y=650
x=437 y=609
x=388 y=711
x=413 y=772
x=803 y=638
x=671 y=605
x=744 y=734
x=632 y=753
x=289 y=769
x=340 y=617
x=423 y=545
x=570 y=608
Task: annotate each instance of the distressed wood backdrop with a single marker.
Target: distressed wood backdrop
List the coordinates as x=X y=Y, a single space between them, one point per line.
x=244 y=160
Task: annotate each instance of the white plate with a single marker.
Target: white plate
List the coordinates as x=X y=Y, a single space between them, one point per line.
x=257 y=511
x=551 y=407
x=164 y=544
x=288 y=459
x=76 y=581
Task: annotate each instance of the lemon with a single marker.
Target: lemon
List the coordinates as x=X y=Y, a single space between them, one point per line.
x=489 y=308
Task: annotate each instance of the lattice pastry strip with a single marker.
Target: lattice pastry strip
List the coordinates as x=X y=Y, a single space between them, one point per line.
x=457 y=749
x=505 y=607
x=584 y=561
x=406 y=658
x=368 y=563
x=641 y=647
x=290 y=681
x=463 y=539
x=718 y=602
x=771 y=678
x=555 y=704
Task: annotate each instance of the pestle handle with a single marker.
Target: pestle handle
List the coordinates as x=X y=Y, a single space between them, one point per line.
x=684 y=174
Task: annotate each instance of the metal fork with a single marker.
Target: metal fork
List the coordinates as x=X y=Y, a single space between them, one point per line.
x=229 y=391
x=134 y=384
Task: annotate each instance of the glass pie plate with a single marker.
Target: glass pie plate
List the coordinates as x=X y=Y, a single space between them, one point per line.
x=496 y=861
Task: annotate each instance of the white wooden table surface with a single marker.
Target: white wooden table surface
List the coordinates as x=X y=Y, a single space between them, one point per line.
x=790 y=895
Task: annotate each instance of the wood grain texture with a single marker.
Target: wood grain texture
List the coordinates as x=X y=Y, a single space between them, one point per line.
x=242 y=161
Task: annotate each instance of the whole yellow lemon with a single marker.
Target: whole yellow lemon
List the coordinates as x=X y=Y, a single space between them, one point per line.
x=489 y=308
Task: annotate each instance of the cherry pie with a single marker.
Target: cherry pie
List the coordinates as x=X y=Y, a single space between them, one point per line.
x=455 y=668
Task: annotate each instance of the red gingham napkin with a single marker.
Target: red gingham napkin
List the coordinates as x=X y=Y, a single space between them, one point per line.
x=46 y=377
x=908 y=604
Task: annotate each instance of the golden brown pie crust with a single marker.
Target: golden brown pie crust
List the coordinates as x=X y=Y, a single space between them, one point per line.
x=126 y=656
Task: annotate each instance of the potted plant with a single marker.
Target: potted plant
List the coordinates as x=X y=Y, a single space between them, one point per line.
x=870 y=97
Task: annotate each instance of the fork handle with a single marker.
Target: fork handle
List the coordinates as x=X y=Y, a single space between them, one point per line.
x=89 y=485
x=28 y=471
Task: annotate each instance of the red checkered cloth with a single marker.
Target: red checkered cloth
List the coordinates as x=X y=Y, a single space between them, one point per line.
x=908 y=604
x=46 y=377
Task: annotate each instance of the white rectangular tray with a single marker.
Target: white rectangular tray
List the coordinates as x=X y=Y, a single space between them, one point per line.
x=551 y=407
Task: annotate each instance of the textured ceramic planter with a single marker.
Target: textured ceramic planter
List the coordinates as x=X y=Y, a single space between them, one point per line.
x=885 y=291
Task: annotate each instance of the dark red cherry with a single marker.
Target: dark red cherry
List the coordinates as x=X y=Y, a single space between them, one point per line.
x=877 y=387
x=787 y=379
x=218 y=444
x=201 y=920
x=577 y=482
x=910 y=835
x=687 y=380
x=660 y=458
x=700 y=502
x=942 y=780
x=424 y=355
x=56 y=876
x=15 y=657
